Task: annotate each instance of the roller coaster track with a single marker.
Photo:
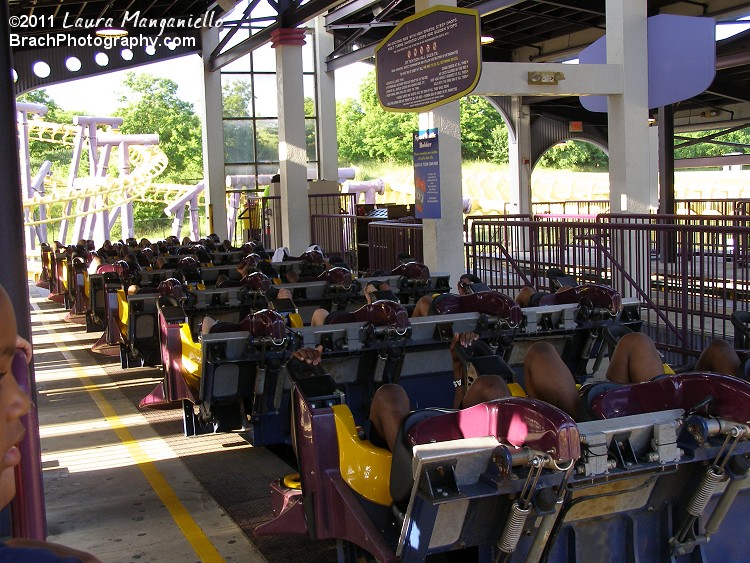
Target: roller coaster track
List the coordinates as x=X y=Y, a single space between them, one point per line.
x=56 y=133
x=148 y=163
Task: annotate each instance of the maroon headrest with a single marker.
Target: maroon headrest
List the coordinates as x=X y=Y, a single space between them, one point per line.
x=257 y=281
x=313 y=257
x=171 y=287
x=412 y=271
x=188 y=262
x=121 y=268
x=600 y=296
x=249 y=260
x=380 y=313
x=337 y=276
x=265 y=322
x=512 y=420
x=730 y=396
x=491 y=303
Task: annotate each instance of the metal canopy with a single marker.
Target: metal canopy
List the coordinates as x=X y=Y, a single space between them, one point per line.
x=521 y=30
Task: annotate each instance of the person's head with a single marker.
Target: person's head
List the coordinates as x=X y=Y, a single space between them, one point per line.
x=13 y=402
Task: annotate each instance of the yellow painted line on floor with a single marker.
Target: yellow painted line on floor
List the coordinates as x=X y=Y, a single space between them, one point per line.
x=191 y=530
x=193 y=533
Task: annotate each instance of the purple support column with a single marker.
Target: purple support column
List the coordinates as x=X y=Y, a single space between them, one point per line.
x=13 y=275
x=27 y=509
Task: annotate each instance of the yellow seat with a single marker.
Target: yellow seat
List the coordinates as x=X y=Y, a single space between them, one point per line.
x=365 y=467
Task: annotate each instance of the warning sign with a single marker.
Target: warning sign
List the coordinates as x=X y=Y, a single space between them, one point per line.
x=431 y=58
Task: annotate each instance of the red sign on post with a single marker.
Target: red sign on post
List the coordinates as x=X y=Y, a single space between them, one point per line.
x=429 y=59
x=575 y=126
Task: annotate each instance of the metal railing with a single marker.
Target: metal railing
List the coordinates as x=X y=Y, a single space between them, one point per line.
x=335 y=234
x=690 y=273
x=261 y=218
x=388 y=239
x=687 y=206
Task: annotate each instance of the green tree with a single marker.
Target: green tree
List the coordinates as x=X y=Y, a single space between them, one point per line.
x=238 y=130
x=482 y=130
x=310 y=135
x=237 y=97
x=575 y=155
x=151 y=105
x=367 y=132
x=59 y=155
x=734 y=141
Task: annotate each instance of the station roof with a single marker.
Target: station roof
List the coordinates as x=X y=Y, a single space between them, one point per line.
x=522 y=30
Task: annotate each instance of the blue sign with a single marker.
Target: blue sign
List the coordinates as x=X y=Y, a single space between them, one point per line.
x=426 y=174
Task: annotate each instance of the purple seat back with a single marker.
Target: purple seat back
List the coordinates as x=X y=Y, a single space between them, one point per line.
x=512 y=420
x=491 y=303
x=731 y=396
x=27 y=508
x=600 y=296
x=412 y=271
x=380 y=313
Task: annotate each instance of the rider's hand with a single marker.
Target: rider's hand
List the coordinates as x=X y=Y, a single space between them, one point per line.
x=311 y=356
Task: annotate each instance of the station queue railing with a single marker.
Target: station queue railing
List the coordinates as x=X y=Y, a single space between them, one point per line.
x=689 y=272
x=689 y=206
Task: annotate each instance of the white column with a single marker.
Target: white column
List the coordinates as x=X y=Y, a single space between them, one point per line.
x=443 y=238
x=328 y=151
x=295 y=208
x=213 y=139
x=629 y=143
x=629 y=139
x=126 y=210
x=519 y=158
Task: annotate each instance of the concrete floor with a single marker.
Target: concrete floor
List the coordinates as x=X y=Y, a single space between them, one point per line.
x=113 y=486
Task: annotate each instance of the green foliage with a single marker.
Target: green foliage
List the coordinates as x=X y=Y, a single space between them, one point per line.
x=575 y=155
x=723 y=144
x=237 y=99
x=498 y=151
x=238 y=132
x=59 y=155
x=152 y=106
x=482 y=130
x=367 y=132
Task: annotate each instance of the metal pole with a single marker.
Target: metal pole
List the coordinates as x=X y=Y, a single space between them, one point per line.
x=14 y=278
x=668 y=240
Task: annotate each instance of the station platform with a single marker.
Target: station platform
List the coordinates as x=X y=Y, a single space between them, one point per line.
x=125 y=484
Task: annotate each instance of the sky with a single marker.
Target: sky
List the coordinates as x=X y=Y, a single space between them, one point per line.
x=98 y=95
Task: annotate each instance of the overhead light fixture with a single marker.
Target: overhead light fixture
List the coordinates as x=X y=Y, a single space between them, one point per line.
x=111 y=32
x=544 y=77
x=487 y=39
